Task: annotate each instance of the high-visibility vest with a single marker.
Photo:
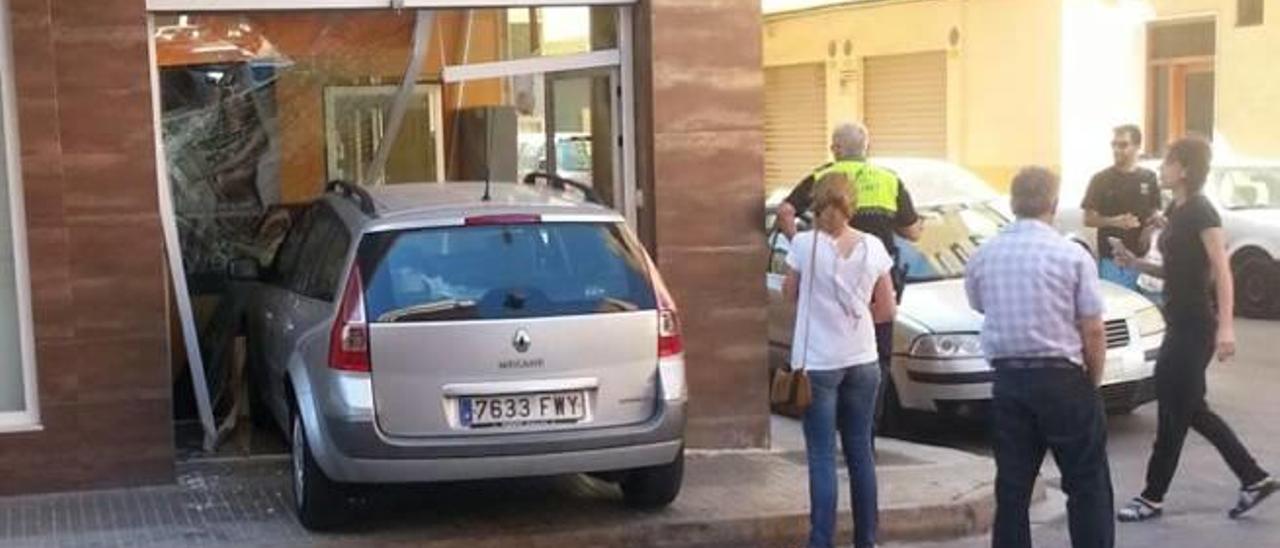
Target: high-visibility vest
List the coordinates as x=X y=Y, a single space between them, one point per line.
x=875 y=188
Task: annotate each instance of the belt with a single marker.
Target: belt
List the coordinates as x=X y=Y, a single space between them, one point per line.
x=1016 y=364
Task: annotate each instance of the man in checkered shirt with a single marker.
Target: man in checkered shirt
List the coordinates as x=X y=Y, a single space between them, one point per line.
x=1044 y=336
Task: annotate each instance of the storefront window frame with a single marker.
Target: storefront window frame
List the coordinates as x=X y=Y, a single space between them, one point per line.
x=29 y=418
x=620 y=59
x=276 y=5
x=433 y=91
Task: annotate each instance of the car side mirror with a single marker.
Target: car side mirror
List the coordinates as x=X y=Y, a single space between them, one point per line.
x=244 y=269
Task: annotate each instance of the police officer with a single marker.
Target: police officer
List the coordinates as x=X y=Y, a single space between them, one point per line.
x=884 y=209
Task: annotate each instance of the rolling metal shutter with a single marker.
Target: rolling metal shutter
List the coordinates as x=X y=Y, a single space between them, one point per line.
x=795 y=122
x=905 y=101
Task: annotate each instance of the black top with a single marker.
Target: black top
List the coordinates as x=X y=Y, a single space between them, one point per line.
x=1188 y=288
x=1114 y=192
x=876 y=223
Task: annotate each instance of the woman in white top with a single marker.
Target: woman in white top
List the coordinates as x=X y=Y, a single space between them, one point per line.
x=840 y=278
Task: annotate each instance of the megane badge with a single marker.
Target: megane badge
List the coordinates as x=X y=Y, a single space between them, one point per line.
x=522 y=341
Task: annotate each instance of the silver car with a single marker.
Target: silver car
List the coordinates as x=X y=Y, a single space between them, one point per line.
x=938 y=365
x=418 y=333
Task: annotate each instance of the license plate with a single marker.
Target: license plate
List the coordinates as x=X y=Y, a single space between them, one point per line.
x=523 y=408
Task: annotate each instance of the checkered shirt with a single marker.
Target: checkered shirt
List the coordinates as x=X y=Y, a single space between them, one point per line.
x=1033 y=286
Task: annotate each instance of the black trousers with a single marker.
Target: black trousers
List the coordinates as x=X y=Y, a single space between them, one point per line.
x=1188 y=349
x=1037 y=410
x=884 y=346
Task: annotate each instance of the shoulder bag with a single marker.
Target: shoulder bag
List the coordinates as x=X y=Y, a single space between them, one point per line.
x=790 y=393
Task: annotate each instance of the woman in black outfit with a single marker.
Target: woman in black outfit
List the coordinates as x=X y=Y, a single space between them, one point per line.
x=1199 y=310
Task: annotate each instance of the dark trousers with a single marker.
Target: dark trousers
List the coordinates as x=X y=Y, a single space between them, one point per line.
x=1056 y=409
x=884 y=341
x=1188 y=349
x=884 y=347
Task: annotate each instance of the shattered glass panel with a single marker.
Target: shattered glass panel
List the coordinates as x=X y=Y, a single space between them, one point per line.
x=246 y=127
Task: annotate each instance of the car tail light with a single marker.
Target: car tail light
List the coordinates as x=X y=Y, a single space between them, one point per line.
x=349 y=336
x=513 y=219
x=670 y=342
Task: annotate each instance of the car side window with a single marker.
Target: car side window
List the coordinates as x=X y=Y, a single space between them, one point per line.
x=331 y=257
x=312 y=278
x=286 y=260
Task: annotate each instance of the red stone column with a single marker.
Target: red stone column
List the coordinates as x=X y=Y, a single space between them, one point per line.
x=701 y=100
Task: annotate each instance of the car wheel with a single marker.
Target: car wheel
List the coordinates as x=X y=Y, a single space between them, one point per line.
x=259 y=411
x=1257 y=281
x=319 y=501
x=654 y=487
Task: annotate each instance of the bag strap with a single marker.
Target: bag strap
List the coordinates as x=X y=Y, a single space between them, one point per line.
x=813 y=280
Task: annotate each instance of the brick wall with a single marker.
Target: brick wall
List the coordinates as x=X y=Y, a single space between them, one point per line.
x=705 y=93
x=97 y=267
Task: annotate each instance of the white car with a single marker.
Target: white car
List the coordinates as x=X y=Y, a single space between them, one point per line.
x=938 y=366
x=1247 y=195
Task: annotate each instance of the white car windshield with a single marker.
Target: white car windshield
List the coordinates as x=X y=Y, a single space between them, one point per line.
x=951 y=234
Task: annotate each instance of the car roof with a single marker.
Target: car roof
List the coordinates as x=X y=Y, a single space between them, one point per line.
x=921 y=178
x=413 y=203
x=935 y=182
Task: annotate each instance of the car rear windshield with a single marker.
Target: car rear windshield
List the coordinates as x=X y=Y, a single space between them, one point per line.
x=503 y=272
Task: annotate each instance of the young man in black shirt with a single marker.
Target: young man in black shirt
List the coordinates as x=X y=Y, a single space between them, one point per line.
x=1121 y=200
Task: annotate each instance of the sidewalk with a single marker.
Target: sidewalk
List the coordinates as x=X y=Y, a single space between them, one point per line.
x=729 y=499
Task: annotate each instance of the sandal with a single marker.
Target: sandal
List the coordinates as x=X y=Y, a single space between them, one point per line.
x=1251 y=496
x=1139 y=509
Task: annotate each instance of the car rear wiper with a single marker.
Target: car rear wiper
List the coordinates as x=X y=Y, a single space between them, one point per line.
x=424 y=310
x=611 y=304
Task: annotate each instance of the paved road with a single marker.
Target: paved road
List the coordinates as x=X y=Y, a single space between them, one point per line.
x=1246 y=393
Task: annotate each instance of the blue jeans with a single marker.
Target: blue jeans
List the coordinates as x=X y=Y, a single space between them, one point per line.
x=843 y=400
x=1051 y=409
x=1127 y=277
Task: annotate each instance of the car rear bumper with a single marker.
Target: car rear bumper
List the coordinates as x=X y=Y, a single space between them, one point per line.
x=354 y=450
x=358 y=470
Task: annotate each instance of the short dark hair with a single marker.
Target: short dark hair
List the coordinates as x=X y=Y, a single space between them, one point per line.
x=1133 y=131
x=1034 y=192
x=1194 y=154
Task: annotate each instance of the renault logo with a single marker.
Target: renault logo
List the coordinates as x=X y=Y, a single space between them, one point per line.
x=522 y=341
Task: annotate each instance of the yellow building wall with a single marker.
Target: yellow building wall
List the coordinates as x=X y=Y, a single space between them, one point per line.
x=1000 y=115
x=1103 y=84
x=1011 y=106
x=1247 y=103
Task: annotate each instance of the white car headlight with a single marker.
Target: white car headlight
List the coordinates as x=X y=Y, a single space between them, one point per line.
x=947 y=346
x=1150 y=321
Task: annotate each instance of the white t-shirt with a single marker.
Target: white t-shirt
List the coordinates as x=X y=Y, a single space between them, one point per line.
x=835 y=298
